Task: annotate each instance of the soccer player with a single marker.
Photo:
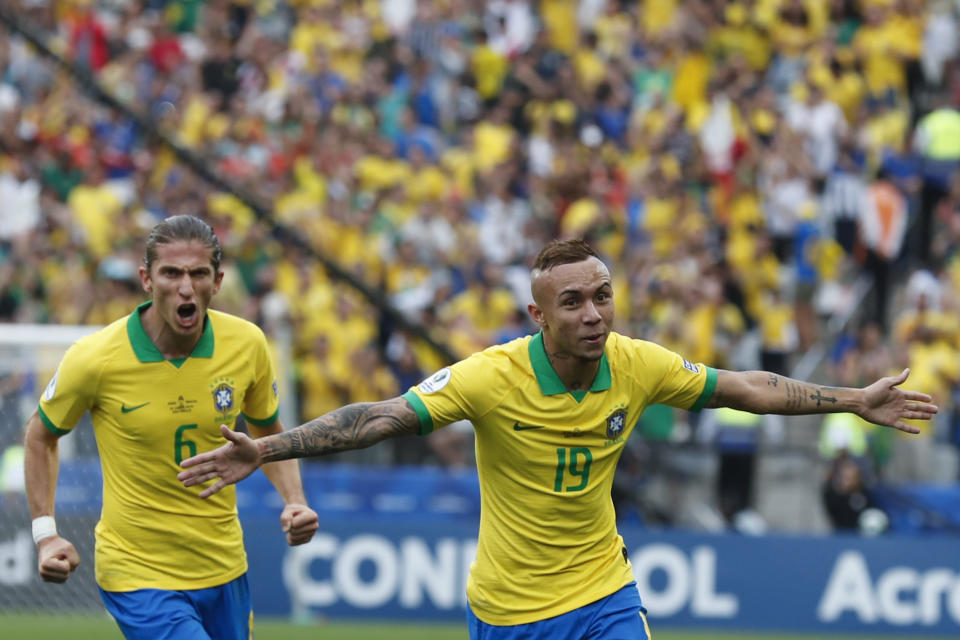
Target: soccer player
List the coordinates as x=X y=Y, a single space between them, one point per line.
x=551 y=414
x=158 y=383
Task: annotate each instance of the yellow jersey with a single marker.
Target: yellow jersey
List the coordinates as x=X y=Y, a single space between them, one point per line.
x=148 y=414
x=546 y=457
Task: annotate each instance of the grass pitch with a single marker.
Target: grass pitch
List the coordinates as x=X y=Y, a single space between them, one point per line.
x=34 y=626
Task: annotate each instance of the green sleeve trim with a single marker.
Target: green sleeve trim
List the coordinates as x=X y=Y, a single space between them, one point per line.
x=426 y=420
x=707 y=392
x=54 y=429
x=265 y=422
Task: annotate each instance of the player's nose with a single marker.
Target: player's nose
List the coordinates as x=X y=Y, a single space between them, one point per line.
x=590 y=313
x=185 y=287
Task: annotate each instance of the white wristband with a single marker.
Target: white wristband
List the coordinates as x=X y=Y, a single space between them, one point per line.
x=44 y=527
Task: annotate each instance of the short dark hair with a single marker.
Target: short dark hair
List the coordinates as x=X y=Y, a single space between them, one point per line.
x=563 y=252
x=186 y=228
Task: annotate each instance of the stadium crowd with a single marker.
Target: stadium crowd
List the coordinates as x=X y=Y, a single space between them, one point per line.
x=742 y=163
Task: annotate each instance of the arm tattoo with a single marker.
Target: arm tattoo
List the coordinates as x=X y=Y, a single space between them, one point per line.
x=747 y=393
x=820 y=398
x=795 y=395
x=798 y=394
x=355 y=426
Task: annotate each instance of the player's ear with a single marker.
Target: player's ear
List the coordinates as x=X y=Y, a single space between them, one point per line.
x=537 y=314
x=217 y=281
x=145 y=281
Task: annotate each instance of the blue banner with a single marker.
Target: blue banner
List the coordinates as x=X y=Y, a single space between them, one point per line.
x=407 y=568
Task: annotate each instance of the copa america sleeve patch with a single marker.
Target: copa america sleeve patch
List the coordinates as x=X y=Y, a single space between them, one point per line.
x=435 y=382
x=689 y=366
x=51 y=389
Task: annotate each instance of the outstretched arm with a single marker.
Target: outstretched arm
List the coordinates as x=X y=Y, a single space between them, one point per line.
x=355 y=426
x=883 y=402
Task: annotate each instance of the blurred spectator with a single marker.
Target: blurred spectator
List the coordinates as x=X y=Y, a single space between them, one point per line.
x=845 y=494
x=510 y=26
x=779 y=333
x=937 y=140
x=940 y=42
x=737 y=442
x=883 y=225
x=321 y=387
x=95 y=208
x=845 y=491
x=926 y=334
x=843 y=200
x=88 y=38
x=220 y=70
x=946 y=232
x=822 y=124
x=20 y=195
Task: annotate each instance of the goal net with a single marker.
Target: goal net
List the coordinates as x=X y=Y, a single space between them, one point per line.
x=29 y=355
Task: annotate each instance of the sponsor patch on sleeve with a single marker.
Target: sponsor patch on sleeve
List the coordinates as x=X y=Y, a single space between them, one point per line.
x=689 y=366
x=435 y=382
x=51 y=389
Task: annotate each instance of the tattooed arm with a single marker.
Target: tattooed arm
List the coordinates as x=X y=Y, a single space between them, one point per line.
x=883 y=402
x=355 y=426
x=765 y=392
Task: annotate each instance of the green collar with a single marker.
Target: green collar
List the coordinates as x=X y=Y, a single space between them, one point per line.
x=146 y=351
x=550 y=383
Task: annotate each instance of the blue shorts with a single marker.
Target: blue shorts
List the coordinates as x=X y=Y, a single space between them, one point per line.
x=619 y=616
x=217 y=613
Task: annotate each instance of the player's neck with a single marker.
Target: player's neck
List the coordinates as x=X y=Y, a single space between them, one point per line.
x=576 y=374
x=169 y=343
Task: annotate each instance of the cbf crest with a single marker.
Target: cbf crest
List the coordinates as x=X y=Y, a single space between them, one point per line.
x=616 y=423
x=223 y=395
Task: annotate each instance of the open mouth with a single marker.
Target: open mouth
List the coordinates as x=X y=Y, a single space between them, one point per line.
x=187 y=312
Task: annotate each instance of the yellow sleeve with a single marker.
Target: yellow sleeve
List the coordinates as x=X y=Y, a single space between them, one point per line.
x=458 y=392
x=681 y=383
x=261 y=404
x=72 y=390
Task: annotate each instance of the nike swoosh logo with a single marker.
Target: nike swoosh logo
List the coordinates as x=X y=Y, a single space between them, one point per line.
x=526 y=427
x=125 y=409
